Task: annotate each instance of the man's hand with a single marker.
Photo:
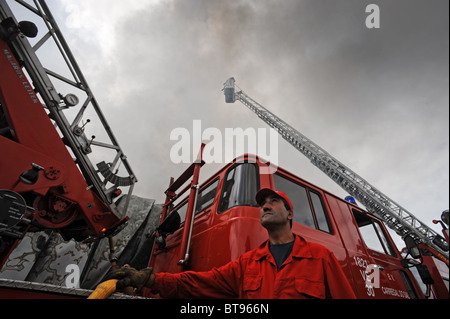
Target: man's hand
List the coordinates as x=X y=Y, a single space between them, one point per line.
x=129 y=276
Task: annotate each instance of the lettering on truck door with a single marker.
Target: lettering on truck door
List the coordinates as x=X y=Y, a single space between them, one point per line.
x=381 y=270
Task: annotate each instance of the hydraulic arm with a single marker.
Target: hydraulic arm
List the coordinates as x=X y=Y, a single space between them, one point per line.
x=48 y=179
x=396 y=217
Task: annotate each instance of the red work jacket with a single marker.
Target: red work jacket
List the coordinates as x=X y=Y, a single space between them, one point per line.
x=311 y=271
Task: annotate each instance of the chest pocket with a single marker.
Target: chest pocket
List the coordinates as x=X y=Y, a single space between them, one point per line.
x=252 y=286
x=311 y=289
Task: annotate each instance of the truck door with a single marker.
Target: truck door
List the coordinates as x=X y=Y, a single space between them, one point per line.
x=381 y=269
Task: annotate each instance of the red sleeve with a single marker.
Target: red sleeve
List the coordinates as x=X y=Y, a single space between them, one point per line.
x=220 y=282
x=337 y=284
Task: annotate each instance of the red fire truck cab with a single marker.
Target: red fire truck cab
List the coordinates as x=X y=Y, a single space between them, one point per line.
x=226 y=223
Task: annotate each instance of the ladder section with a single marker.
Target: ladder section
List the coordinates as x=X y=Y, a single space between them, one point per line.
x=70 y=103
x=395 y=217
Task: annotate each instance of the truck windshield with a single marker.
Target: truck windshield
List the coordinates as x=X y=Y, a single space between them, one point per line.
x=239 y=187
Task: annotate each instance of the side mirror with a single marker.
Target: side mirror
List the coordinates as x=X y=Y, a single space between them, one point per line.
x=168 y=226
x=426 y=277
x=425 y=274
x=171 y=223
x=412 y=247
x=444 y=216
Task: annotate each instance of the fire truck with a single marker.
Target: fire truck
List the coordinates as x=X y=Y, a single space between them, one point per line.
x=220 y=220
x=49 y=182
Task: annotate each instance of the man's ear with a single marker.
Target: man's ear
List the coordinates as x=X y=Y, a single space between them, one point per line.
x=290 y=215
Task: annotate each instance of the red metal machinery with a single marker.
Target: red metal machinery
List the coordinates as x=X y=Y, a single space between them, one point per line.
x=47 y=179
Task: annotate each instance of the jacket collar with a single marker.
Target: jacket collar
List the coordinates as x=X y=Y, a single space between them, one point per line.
x=299 y=250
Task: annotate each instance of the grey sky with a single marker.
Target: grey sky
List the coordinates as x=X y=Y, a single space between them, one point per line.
x=376 y=99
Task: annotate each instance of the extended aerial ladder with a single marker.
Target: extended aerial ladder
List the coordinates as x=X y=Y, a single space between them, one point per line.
x=48 y=177
x=394 y=216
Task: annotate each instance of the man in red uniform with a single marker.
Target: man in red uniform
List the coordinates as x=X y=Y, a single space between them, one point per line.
x=285 y=266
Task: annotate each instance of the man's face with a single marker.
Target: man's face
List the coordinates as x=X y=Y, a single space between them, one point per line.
x=274 y=213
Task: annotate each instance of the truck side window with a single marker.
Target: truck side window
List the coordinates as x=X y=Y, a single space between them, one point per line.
x=239 y=187
x=182 y=210
x=322 y=221
x=205 y=198
x=309 y=214
x=373 y=234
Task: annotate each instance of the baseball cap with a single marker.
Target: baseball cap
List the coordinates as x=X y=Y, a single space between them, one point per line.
x=264 y=192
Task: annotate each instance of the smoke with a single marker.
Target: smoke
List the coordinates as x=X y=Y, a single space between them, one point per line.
x=377 y=99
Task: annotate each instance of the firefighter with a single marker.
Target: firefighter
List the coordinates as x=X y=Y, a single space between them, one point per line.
x=284 y=266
